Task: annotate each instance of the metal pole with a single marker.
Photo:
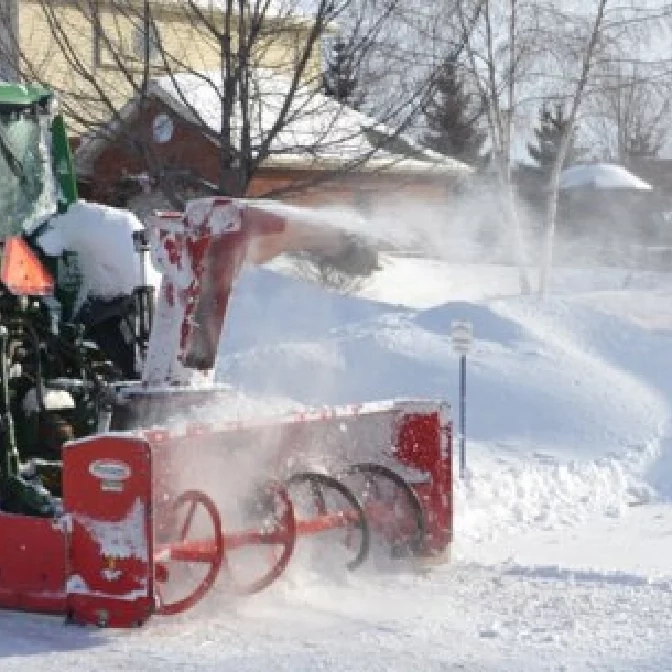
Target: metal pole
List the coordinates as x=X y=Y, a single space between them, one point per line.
x=462 y=334
x=463 y=416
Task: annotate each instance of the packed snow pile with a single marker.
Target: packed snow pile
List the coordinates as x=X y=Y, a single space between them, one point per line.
x=102 y=239
x=549 y=375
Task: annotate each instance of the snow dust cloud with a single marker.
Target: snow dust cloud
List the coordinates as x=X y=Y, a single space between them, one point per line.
x=479 y=222
x=272 y=346
x=288 y=344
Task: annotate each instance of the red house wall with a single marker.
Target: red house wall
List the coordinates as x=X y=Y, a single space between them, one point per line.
x=190 y=149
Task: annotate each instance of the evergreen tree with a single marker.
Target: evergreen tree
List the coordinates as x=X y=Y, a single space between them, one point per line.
x=549 y=134
x=453 y=117
x=340 y=79
x=644 y=142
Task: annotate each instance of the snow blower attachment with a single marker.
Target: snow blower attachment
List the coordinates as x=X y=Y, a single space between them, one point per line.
x=110 y=510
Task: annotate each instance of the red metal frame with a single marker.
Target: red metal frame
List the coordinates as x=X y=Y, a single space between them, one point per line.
x=33 y=564
x=107 y=486
x=98 y=562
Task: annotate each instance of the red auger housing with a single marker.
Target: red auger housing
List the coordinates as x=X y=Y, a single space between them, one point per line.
x=115 y=504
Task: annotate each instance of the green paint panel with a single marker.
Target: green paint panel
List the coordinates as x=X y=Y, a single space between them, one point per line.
x=64 y=168
x=19 y=96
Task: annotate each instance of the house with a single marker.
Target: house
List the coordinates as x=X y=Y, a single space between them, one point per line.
x=141 y=62
x=324 y=153
x=97 y=54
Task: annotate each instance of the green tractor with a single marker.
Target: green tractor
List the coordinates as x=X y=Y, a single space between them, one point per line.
x=56 y=362
x=36 y=169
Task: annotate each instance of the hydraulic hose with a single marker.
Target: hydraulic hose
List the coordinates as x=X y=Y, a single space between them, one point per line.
x=10 y=467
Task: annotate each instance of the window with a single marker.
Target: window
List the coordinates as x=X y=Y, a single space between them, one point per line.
x=124 y=37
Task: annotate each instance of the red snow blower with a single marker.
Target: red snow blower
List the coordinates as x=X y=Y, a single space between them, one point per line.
x=115 y=504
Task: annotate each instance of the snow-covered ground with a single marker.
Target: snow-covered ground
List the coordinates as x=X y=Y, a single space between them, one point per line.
x=563 y=524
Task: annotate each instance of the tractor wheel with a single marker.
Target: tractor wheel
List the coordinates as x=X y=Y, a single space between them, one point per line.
x=325 y=503
x=392 y=507
x=189 y=558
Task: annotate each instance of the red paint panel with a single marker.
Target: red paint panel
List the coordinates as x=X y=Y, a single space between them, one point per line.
x=32 y=564
x=108 y=494
x=423 y=443
x=216 y=264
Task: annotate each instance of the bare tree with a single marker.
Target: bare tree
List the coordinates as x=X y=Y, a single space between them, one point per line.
x=252 y=86
x=587 y=60
x=594 y=42
x=629 y=110
x=499 y=43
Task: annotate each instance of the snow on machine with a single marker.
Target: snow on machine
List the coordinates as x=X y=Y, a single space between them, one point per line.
x=128 y=481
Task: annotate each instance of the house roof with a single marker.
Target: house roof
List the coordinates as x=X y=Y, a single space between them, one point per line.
x=601 y=176
x=320 y=133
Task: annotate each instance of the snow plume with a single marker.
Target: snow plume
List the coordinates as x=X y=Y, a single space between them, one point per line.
x=616 y=225
x=469 y=225
x=473 y=225
x=249 y=444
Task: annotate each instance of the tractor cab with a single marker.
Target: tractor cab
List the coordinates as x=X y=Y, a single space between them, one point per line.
x=67 y=333
x=28 y=190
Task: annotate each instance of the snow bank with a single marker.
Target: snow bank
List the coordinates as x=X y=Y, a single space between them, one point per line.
x=508 y=495
x=529 y=382
x=567 y=404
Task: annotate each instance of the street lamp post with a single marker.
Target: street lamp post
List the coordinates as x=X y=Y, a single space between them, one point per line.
x=462 y=337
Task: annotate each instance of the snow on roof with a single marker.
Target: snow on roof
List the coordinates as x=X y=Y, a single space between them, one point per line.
x=320 y=133
x=601 y=176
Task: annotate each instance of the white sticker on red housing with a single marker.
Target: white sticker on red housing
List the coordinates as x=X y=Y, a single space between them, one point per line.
x=110 y=470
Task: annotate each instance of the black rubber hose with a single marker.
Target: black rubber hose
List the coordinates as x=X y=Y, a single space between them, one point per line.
x=39 y=381
x=9 y=449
